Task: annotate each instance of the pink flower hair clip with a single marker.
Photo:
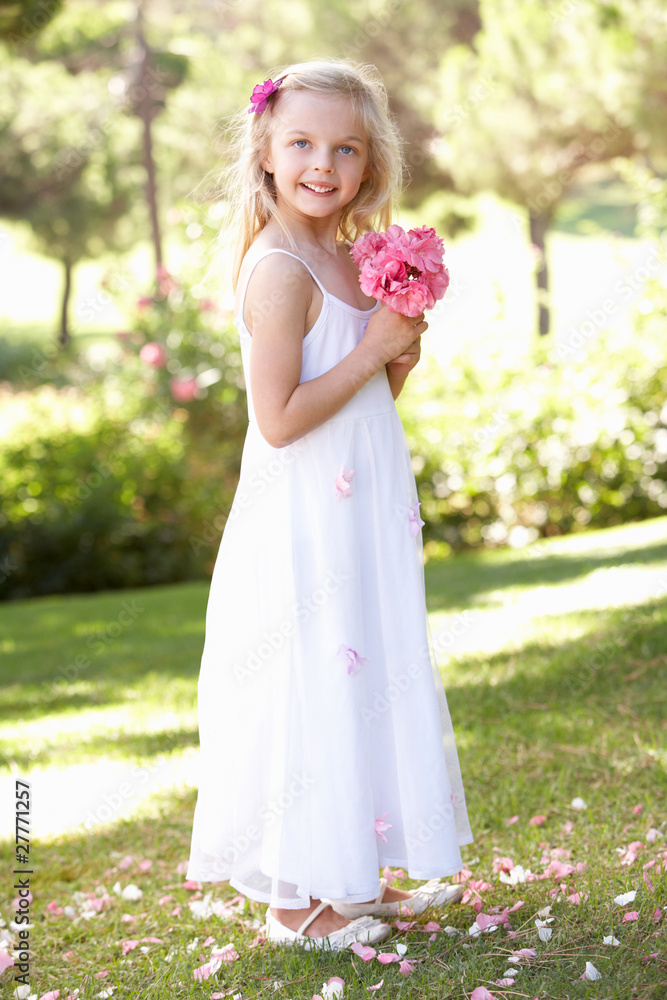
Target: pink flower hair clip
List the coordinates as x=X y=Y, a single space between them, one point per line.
x=261 y=94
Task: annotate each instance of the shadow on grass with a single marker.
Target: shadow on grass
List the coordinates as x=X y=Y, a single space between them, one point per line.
x=456 y=582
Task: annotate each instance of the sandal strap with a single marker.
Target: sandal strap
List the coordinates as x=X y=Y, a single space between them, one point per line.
x=311 y=916
x=383 y=886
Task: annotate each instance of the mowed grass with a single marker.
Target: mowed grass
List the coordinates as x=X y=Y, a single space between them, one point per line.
x=554 y=659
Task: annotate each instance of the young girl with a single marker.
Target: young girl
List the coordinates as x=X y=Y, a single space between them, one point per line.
x=327 y=749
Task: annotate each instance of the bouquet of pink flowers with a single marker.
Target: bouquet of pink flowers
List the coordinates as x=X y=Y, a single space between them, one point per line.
x=403 y=270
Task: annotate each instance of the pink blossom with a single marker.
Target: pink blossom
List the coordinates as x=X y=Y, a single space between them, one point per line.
x=261 y=94
x=342 y=483
x=406 y=968
x=503 y=864
x=414 y=520
x=183 y=390
x=381 y=826
x=354 y=661
x=403 y=270
x=153 y=354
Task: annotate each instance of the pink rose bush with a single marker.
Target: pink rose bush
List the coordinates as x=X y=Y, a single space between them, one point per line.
x=403 y=270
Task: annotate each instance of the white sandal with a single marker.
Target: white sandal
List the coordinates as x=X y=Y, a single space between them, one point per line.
x=364 y=929
x=433 y=893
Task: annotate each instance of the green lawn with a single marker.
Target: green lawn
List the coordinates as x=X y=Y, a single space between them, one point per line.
x=554 y=662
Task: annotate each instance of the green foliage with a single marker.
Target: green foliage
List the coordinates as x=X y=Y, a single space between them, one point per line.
x=107 y=482
x=509 y=453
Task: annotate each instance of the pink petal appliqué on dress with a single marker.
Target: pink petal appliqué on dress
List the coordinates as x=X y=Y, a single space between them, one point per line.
x=414 y=520
x=354 y=661
x=342 y=483
x=380 y=827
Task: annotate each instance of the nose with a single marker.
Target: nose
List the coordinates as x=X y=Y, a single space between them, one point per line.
x=323 y=160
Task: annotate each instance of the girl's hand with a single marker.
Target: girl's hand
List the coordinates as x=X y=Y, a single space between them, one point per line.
x=404 y=363
x=392 y=335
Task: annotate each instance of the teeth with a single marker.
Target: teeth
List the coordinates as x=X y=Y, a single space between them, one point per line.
x=318 y=188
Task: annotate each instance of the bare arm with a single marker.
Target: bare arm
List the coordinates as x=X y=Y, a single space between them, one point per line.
x=277 y=299
x=399 y=369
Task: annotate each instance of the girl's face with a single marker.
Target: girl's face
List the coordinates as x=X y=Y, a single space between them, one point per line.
x=318 y=154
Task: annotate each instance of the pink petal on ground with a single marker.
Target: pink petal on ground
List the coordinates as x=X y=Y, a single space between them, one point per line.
x=102 y=974
x=364 y=951
x=537 y=820
x=576 y=898
x=336 y=979
x=388 y=956
x=206 y=970
x=406 y=968
x=190 y=884
x=431 y=926
x=376 y=987
x=512 y=819
x=218 y=996
x=524 y=953
x=404 y=925
x=504 y=982
x=5 y=960
x=657 y=913
x=392 y=874
x=51 y=995
x=632 y=915
x=163 y=900
x=481 y=993
x=209 y=940
x=503 y=864
x=176 y=912
x=517 y=906
x=432 y=937
x=129 y=945
x=145 y=865
x=125 y=862
x=637 y=809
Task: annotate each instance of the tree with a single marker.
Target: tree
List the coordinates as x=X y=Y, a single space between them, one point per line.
x=538 y=98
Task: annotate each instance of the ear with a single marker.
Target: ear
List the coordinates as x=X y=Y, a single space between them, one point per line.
x=267 y=164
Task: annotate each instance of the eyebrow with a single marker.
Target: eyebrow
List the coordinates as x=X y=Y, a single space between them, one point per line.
x=301 y=131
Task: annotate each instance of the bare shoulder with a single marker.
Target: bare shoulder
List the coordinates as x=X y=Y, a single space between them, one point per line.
x=277 y=283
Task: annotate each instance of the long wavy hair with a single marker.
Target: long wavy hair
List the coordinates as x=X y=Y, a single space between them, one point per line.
x=248 y=190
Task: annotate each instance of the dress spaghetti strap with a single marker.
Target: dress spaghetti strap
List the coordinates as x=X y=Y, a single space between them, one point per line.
x=246 y=280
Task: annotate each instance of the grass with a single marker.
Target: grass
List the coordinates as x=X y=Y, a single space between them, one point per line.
x=554 y=664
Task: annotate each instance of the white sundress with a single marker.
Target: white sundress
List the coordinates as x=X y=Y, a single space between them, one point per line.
x=326 y=745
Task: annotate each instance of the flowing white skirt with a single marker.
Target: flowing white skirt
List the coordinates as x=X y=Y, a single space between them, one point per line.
x=326 y=744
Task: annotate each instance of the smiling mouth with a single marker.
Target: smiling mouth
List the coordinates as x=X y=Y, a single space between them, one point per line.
x=318 y=188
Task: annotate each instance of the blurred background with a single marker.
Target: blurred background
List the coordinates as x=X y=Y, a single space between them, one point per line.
x=537 y=148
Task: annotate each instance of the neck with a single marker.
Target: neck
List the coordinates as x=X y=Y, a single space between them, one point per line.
x=310 y=234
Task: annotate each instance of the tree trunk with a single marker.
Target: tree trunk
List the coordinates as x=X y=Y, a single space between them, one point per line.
x=539 y=225
x=146 y=112
x=63 y=336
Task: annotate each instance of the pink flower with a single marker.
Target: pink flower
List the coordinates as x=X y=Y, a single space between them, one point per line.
x=183 y=390
x=153 y=354
x=380 y=827
x=403 y=270
x=354 y=661
x=414 y=520
x=342 y=483
x=261 y=94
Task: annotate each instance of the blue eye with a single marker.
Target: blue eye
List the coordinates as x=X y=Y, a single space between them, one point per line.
x=349 y=148
x=300 y=140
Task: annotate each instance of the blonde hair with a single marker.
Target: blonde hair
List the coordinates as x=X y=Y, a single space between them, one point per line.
x=249 y=189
